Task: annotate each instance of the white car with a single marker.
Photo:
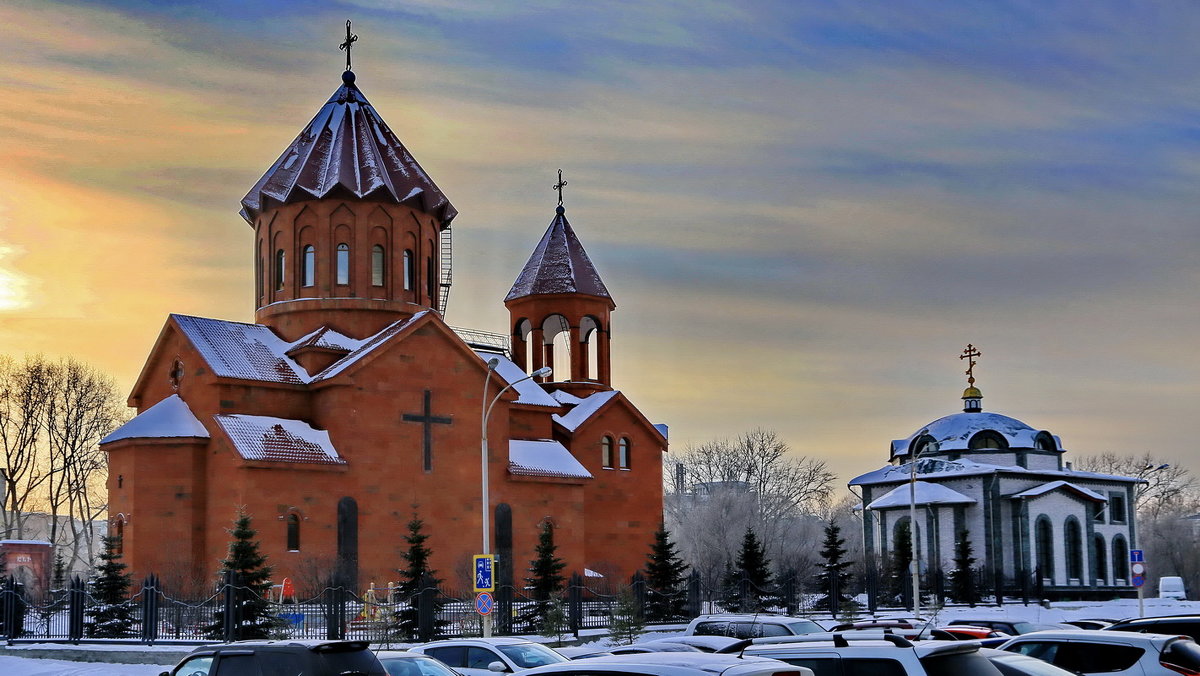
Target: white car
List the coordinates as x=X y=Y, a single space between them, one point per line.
x=748 y=625
x=671 y=664
x=489 y=656
x=1113 y=653
x=866 y=653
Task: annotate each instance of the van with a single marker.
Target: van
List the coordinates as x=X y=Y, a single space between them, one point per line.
x=1171 y=587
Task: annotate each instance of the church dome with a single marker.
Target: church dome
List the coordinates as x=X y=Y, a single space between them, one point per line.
x=979 y=431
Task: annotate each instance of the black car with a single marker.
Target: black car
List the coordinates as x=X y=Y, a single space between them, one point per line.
x=1182 y=625
x=1010 y=627
x=281 y=658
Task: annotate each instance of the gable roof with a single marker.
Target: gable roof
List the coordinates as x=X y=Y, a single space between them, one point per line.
x=325 y=338
x=1063 y=485
x=243 y=351
x=528 y=392
x=937 y=469
x=544 y=458
x=169 y=418
x=558 y=264
x=585 y=409
x=925 y=493
x=257 y=437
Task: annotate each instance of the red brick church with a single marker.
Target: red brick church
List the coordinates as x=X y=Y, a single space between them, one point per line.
x=349 y=403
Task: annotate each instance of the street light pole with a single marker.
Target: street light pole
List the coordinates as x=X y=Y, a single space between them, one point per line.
x=912 y=524
x=485 y=414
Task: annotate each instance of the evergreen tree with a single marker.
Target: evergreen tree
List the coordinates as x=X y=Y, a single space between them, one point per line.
x=253 y=584
x=59 y=580
x=555 y=623
x=752 y=565
x=625 y=623
x=545 y=579
x=835 y=576
x=665 y=573
x=900 y=578
x=962 y=580
x=415 y=576
x=112 y=616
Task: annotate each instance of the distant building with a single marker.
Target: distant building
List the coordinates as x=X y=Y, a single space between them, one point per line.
x=1005 y=484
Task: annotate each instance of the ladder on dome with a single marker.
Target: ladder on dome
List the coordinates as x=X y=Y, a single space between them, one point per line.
x=447 y=270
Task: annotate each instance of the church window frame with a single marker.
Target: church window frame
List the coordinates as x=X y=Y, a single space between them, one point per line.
x=1073 y=549
x=1120 y=559
x=378 y=265
x=342 y=265
x=308 y=265
x=987 y=440
x=292 y=531
x=606 y=452
x=1117 y=508
x=407 y=260
x=1043 y=538
x=1044 y=441
x=1100 y=559
x=624 y=453
x=119 y=535
x=280 y=269
x=431 y=278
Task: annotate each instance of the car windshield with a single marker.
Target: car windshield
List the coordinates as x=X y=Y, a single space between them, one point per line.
x=1023 y=627
x=355 y=660
x=959 y=664
x=415 y=666
x=1019 y=665
x=529 y=655
x=805 y=627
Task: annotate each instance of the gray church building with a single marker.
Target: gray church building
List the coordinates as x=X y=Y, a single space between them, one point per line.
x=1034 y=523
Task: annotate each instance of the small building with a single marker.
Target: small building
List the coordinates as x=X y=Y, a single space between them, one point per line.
x=1032 y=520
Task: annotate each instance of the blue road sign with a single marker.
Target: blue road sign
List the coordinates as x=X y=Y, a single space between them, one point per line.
x=1135 y=556
x=484 y=603
x=485 y=569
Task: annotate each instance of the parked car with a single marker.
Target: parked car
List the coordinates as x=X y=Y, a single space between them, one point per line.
x=1094 y=625
x=671 y=664
x=965 y=632
x=1016 y=664
x=581 y=652
x=746 y=625
x=311 y=658
x=1182 y=625
x=405 y=663
x=654 y=647
x=1010 y=627
x=486 y=656
x=1171 y=587
x=1123 y=653
x=705 y=644
x=878 y=654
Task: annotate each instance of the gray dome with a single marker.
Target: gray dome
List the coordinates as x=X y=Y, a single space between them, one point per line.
x=954 y=433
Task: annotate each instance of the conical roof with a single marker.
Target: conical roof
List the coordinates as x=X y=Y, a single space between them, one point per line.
x=347 y=145
x=558 y=265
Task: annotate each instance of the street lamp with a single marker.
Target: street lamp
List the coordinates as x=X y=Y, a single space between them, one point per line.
x=486 y=412
x=912 y=521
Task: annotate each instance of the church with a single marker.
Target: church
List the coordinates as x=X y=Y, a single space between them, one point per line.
x=1032 y=520
x=349 y=405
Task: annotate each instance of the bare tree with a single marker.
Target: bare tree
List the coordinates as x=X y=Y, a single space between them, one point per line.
x=24 y=391
x=1165 y=484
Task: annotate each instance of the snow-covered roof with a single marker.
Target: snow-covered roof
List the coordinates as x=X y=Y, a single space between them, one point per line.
x=544 y=458
x=238 y=350
x=170 y=417
x=586 y=407
x=367 y=346
x=937 y=468
x=588 y=572
x=925 y=494
x=347 y=145
x=1055 y=485
x=258 y=437
x=954 y=432
x=528 y=392
x=558 y=264
x=326 y=338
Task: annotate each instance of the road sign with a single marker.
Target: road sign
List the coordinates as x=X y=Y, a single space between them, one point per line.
x=485 y=573
x=1139 y=573
x=484 y=603
x=1135 y=556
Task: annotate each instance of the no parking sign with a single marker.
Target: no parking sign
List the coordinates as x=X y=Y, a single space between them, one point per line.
x=1137 y=567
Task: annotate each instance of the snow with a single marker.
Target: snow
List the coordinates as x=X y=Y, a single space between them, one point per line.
x=925 y=494
x=1055 y=485
x=327 y=338
x=170 y=417
x=367 y=346
x=939 y=468
x=258 y=437
x=25 y=542
x=544 y=458
x=528 y=392
x=23 y=666
x=954 y=432
x=572 y=419
x=244 y=351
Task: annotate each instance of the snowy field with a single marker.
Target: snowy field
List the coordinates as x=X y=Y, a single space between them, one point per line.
x=17 y=666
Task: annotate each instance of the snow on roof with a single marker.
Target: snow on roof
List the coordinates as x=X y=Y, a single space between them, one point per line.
x=583 y=410
x=925 y=494
x=938 y=468
x=544 y=458
x=367 y=346
x=954 y=432
x=258 y=437
x=326 y=338
x=245 y=351
x=170 y=417
x=588 y=572
x=528 y=392
x=1055 y=485
x=565 y=397
x=558 y=264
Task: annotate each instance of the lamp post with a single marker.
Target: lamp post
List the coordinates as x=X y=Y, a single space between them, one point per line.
x=486 y=413
x=912 y=522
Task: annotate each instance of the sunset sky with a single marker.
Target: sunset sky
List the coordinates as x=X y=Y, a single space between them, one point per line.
x=804 y=210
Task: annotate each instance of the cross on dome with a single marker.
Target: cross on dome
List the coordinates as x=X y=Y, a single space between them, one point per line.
x=350 y=40
x=972 y=397
x=970 y=354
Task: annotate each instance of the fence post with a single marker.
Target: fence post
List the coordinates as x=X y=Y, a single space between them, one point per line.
x=426 y=599
x=872 y=589
x=76 y=598
x=693 y=595
x=503 y=612
x=150 y=610
x=639 y=594
x=575 y=603
x=789 y=592
x=232 y=609
x=8 y=609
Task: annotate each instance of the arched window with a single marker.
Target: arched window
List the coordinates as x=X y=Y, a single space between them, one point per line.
x=408 y=270
x=1044 y=442
x=279 y=276
x=308 y=266
x=119 y=534
x=293 y=532
x=987 y=439
x=589 y=337
x=623 y=453
x=377 y=265
x=343 y=264
x=1101 y=559
x=1074 y=553
x=1120 y=559
x=606 y=456
x=430 y=279
x=1044 y=540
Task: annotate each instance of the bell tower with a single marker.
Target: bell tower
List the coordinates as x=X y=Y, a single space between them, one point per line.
x=559 y=311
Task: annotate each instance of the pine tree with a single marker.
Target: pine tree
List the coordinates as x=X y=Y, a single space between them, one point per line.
x=962 y=580
x=625 y=623
x=900 y=579
x=835 y=575
x=665 y=573
x=112 y=616
x=545 y=579
x=254 y=582
x=59 y=580
x=753 y=565
x=415 y=576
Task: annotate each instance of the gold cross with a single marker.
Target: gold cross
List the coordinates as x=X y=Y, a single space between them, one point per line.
x=969 y=354
x=345 y=46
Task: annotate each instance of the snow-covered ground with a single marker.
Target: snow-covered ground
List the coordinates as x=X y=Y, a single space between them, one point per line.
x=18 y=666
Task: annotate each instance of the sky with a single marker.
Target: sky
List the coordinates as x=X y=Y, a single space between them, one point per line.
x=803 y=210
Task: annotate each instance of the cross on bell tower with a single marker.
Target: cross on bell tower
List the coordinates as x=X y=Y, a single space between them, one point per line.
x=972 y=397
x=350 y=40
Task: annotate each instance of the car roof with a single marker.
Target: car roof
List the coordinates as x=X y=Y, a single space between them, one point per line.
x=391 y=654
x=679 y=659
x=311 y=644
x=1105 y=636
x=493 y=640
x=1161 y=618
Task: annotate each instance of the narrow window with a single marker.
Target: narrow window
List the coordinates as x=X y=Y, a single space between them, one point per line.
x=623 y=453
x=1074 y=554
x=377 y=265
x=408 y=270
x=279 y=276
x=258 y=278
x=1045 y=548
x=308 y=266
x=606 y=459
x=343 y=264
x=119 y=545
x=430 y=280
x=1116 y=509
x=293 y=532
